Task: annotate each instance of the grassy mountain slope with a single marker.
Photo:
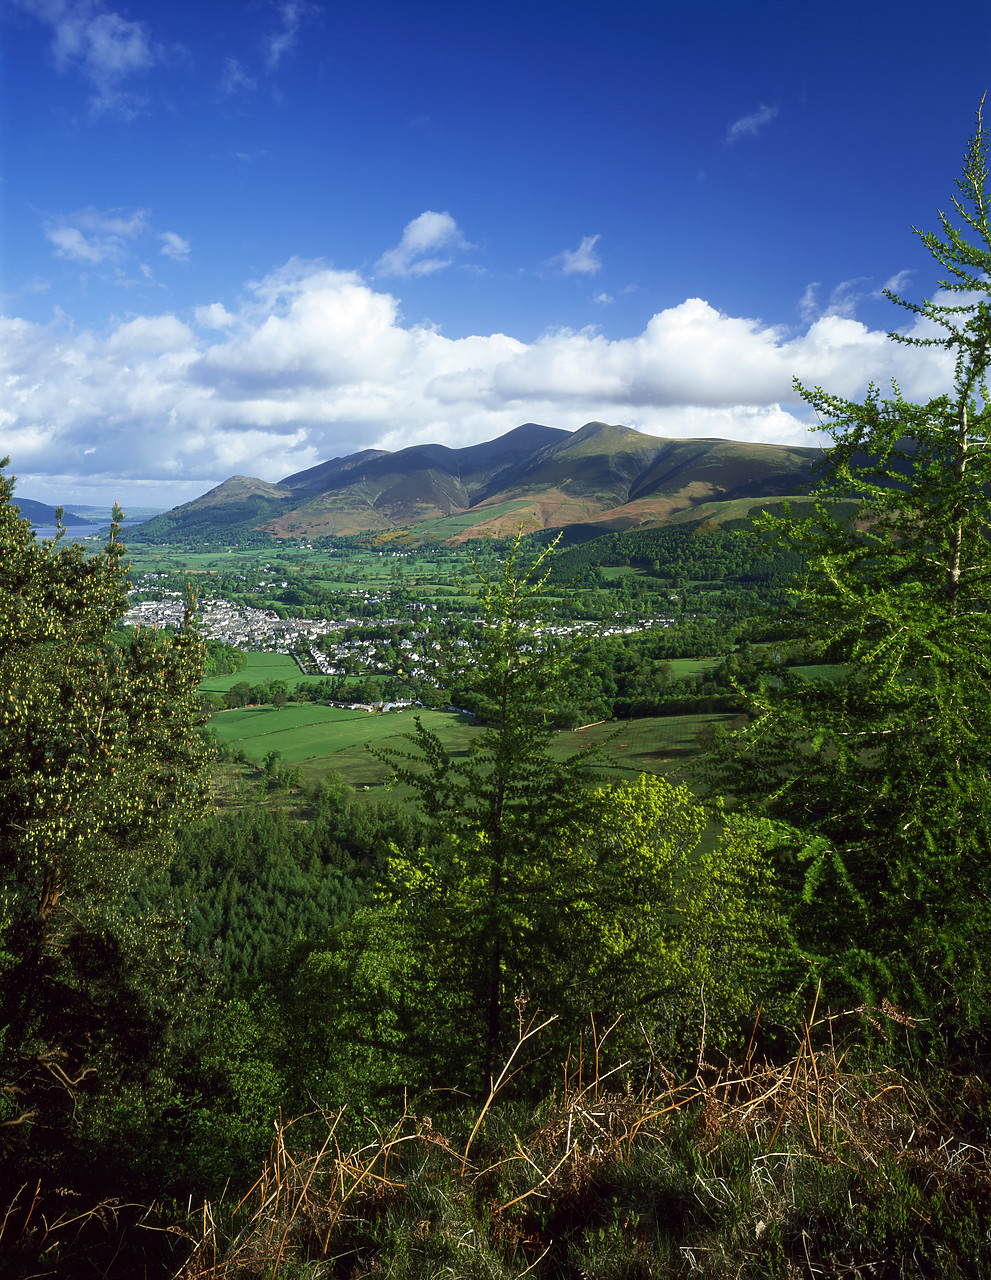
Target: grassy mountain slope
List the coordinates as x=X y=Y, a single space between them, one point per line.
x=377 y=490
x=618 y=478
x=240 y=503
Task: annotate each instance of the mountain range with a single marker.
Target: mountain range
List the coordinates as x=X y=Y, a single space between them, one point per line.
x=612 y=477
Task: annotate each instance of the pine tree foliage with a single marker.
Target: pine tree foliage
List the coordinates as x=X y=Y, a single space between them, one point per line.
x=879 y=778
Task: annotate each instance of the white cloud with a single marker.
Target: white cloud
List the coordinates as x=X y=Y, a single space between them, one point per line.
x=279 y=43
x=93 y=237
x=115 y=222
x=845 y=297
x=751 y=125
x=581 y=261
x=896 y=283
x=235 y=79
x=430 y=233
x=315 y=363
x=275 y=47
x=110 y=238
x=808 y=304
x=214 y=316
x=174 y=246
x=70 y=242
x=104 y=47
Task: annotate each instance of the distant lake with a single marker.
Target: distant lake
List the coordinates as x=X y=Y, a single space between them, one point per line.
x=74 y=531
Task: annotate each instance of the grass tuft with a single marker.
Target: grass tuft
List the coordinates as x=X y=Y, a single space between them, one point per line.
x=805 y=1169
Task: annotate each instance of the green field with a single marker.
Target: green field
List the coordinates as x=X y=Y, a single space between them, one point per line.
x=828 y=671
x=681 y=667
x=451 y=526
x=652 y=744
x=318 y=738
x=611 y=573
x=261 y=668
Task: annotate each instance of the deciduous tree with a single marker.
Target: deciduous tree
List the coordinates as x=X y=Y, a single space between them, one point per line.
x=99 y=762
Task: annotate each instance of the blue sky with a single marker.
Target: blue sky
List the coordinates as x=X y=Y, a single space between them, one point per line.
x=246 y=237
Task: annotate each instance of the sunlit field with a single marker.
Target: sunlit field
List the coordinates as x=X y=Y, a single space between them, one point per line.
x=261 y=668
x=318 y=738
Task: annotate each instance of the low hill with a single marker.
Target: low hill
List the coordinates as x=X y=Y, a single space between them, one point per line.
x=42 y=514
x=104 y=513
x=602 y=475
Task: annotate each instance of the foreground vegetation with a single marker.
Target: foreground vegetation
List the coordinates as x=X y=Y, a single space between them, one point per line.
x=801 y=1169
x=527 y=1016
x=804 y=1168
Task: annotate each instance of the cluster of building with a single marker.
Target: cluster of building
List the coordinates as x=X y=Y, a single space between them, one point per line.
x=263 y=630
x=238 y=625
x=257 y=630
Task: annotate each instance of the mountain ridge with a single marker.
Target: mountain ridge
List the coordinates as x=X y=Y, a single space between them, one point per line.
x=606 y=474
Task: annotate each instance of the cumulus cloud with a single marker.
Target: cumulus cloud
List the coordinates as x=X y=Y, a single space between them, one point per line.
x=581 y=261
x=751 y=125
x=314 y=363
x=425 y=237
x=101 y=45
x=174 y=246
x=214 y=316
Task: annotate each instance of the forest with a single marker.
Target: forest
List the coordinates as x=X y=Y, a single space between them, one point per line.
x=529 y=1016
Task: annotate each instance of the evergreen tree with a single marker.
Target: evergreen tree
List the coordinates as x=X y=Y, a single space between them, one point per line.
x=509 y=796
x=540 y=889
x=879 y=779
